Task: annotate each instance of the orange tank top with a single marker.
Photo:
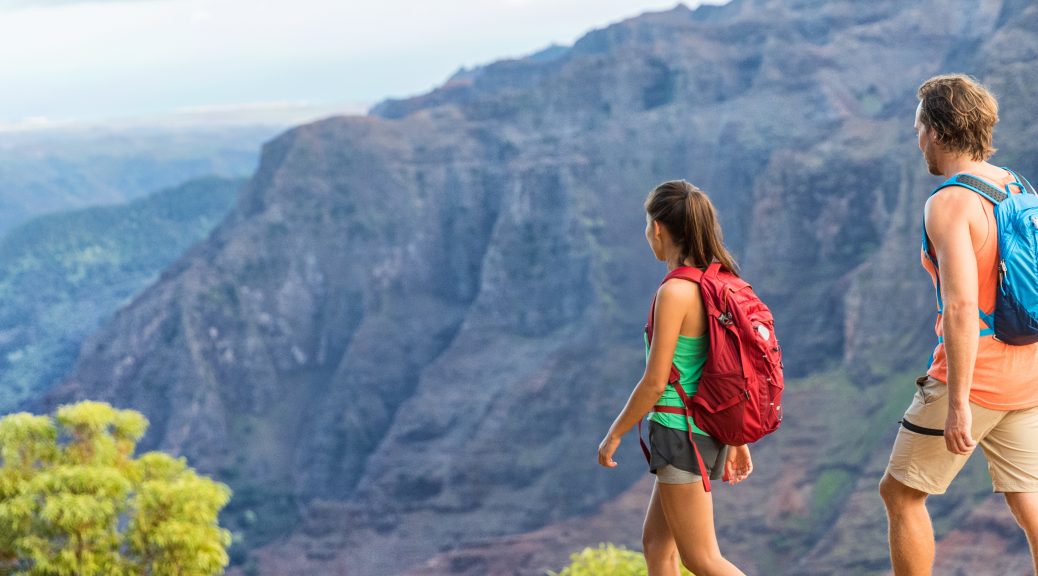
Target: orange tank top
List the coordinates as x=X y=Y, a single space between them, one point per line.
x=1004 y=377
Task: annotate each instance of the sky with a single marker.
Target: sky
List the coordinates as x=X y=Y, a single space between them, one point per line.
x=96 y=61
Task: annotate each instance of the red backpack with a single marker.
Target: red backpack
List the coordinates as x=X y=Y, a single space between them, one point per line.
x=739 y=399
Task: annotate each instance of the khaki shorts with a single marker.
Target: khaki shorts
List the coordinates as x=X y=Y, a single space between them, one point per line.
x=922 y=461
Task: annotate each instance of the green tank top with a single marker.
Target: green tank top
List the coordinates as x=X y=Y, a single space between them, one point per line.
x=689 y=358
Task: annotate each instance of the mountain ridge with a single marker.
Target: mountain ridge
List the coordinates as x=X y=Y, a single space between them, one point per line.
x=409 y=333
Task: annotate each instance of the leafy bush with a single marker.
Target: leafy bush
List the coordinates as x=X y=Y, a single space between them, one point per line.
x=607 y=560
x=74 y=500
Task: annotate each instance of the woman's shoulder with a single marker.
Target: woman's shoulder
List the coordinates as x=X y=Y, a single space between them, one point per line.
x=677 y=291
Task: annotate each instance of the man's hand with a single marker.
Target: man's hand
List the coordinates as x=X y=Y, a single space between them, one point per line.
x=957 y=435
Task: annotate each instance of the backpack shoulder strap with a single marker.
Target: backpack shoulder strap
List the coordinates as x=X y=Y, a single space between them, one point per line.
x=685 y=273
x=689 y=273
x=993 y=195
x=1027 y=184
x=695 y=275
x=1020 y=181
x=971 y=182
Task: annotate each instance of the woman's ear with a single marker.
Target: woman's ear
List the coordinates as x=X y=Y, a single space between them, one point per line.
x=656 y=233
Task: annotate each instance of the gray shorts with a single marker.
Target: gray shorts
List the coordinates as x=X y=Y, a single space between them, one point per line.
x=671 y=475
x=673 y=461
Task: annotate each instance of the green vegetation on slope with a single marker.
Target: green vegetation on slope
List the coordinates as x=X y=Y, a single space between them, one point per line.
x=63 y=275
x=49 y=171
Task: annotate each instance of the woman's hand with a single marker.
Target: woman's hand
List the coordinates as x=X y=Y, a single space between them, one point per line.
x=738 y=465
x=606 y=449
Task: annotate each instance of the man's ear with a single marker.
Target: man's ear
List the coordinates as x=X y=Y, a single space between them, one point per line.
x=931 y=135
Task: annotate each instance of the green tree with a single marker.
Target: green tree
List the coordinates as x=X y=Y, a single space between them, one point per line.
x=607 y=560
x=75 y=501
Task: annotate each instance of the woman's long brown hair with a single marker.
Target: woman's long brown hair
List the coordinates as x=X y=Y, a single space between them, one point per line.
x=689 y=216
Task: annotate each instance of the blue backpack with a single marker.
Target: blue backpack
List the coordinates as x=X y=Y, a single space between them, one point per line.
x=1015 y=319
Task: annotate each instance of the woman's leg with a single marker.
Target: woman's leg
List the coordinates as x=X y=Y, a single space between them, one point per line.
x=661 y=553
x=689 y=511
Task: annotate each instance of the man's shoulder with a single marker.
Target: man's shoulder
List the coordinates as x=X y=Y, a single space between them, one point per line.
x=953 y=193
x=953 y=202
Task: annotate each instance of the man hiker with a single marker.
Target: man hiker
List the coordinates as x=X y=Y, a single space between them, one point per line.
x=982 y=384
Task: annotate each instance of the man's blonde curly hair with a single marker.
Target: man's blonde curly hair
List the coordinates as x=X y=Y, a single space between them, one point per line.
x=961 y=112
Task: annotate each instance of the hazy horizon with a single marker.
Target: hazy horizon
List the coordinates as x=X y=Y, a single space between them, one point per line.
x=79 y=62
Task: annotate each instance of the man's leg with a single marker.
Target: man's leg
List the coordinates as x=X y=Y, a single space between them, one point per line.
x=909 y=529
x=920 y=464
x=1011 y=449
x=1025 y=509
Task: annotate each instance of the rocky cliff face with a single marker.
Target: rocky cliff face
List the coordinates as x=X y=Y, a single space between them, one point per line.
x=410 y=333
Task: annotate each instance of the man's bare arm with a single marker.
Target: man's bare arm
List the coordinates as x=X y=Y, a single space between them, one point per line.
x=950 y=216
